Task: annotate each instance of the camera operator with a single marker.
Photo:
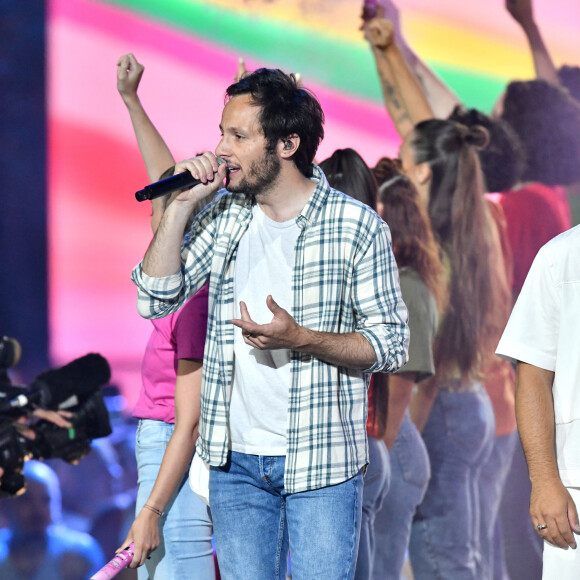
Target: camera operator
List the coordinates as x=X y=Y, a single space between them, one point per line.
x=56 y=416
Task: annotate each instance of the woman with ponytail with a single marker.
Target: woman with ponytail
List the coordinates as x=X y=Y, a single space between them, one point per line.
x=440 y=157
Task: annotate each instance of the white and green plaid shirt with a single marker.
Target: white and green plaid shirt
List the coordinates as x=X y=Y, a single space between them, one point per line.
x=344 y=279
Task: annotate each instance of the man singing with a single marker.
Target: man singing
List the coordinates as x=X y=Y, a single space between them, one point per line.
x=304 y=302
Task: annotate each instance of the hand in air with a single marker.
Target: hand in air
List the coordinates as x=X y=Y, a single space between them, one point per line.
x=242 y=71
x=521 y=11
x=380 y=32
x=129 y=73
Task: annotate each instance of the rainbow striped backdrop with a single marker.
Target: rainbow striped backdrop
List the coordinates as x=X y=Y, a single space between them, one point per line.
x=190 y=49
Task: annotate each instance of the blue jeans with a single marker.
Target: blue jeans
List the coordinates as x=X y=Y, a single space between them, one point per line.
x=523 y=545
x=255 y=521
x=445 y=532
x=410 y=474
x=376 y=486
x=491 y=486
x=185 y=551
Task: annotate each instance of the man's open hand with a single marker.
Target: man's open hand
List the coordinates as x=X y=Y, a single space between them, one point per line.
x=281 y=332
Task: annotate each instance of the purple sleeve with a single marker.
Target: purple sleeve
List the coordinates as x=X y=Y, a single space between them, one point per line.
x=190 y=327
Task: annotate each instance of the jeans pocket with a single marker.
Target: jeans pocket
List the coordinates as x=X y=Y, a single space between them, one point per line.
x=153 y=434
x=411 y=453
x=468 y=419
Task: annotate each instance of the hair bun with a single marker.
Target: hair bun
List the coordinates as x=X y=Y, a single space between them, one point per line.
x=477 y=136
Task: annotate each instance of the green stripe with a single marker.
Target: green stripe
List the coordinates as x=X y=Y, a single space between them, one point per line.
x=475 y=90
x=342 y=65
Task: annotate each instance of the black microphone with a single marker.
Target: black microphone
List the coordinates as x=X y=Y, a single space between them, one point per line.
x=64 y=387
x=174 y=183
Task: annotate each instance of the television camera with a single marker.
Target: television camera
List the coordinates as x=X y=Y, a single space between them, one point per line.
x=75 y=387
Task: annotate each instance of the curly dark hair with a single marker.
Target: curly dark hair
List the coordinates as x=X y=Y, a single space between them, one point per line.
x=503 y=160
x=547 y=121
x=570 y=78
x=285 y=109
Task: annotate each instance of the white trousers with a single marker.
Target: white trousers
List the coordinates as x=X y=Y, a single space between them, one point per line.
x=562 y=564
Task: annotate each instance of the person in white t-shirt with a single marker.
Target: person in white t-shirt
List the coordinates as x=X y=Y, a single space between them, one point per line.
x=304 y=302
x=543 y=336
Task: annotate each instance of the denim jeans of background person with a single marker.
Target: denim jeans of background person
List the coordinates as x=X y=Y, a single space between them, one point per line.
x=377 y=481
x=491 y=487
x=186 y=547
x=459 y=437
x=345 y=316
x=523 y=550
x=168 y=408
x=410 y=473
x=409 y=461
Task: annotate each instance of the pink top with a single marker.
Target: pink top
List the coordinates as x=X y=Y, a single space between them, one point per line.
x=177 y=336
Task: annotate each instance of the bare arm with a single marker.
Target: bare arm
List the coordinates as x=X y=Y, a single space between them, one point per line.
x=351 y=350
x=550 y=502
x=422 y=403
x=441 y=98
x=154 y=150
x=400 y=390
x=404 y=97
x=522 y=13
x=176 y=460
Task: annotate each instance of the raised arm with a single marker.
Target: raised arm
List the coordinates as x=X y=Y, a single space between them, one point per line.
x=439 y=95
x=522 y=12
x=404 y=97
x=154 y=150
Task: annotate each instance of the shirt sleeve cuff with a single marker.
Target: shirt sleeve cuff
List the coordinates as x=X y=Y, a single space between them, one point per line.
x=163 y=288
x=387 y=360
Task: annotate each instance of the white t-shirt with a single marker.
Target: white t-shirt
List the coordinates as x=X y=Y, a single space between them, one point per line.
x=259 y=400
x=544 y=330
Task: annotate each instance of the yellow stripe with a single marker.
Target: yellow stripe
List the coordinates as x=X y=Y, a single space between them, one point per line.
x=469 y=48
x=447 y=42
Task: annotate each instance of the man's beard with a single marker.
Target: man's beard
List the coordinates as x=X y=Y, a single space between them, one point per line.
x=261 y=175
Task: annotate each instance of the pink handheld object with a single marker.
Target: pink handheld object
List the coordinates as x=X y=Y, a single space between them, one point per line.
x=114 y=566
